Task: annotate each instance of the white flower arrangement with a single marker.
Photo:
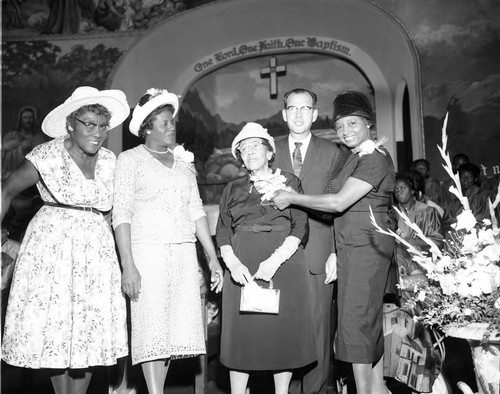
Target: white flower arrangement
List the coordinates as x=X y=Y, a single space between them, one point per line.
x=269 y=184
x=463 y=285
x=369 y=146
x=183 y=154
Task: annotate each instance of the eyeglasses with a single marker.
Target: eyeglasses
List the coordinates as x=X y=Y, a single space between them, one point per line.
x=91 y=126
x=244 y=149
x=303 y=110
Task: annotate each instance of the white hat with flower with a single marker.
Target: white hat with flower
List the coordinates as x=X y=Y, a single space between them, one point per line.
x=54 y=124
x=152 y=99
x=252 y=130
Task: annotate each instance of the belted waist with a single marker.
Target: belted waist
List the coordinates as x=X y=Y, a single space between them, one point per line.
x=259 y=228
x=88 y=209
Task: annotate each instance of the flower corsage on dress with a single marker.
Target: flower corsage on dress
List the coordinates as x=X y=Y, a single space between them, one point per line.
x=267 y=185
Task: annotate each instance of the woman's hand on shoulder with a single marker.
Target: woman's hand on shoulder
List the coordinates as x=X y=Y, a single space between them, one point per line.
x=131 y=281
x=216 y=275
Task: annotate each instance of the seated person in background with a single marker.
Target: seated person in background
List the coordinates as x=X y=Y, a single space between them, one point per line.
x=478 y=198
x=431 y=192
x=424 y=216
x=456 y=161
x=422 y=166
x=402 y=333
x=434 y=195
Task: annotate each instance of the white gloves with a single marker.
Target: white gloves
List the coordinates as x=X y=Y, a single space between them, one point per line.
x=268 y=267
x=239 y=272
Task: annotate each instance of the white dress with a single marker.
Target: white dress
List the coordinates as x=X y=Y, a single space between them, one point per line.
x=161 y=205
x=66 y=308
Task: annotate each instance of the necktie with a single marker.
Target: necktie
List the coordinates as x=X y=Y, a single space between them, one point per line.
x=297 y=159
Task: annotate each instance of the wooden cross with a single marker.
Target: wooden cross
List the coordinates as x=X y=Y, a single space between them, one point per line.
x=272 y=72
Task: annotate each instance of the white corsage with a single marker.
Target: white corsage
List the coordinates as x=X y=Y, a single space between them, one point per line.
x=183 y=154
x=156 y=92
x=369 y=146
x=269 y=184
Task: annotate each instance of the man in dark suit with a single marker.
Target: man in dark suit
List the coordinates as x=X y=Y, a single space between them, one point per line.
x=311 y=159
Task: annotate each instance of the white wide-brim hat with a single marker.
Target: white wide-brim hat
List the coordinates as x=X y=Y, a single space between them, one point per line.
x=156 y=98
x=54 y=124
x=252 y=130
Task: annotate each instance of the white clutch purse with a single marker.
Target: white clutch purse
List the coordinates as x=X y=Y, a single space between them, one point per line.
x=257 y=299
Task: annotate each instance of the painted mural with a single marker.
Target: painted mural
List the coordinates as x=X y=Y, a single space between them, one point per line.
x=49 y=47
x=86 y=16
x=458 y=43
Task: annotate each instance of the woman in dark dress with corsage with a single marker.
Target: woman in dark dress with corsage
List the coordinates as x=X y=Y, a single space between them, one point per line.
x=363 y=255
x=256 y=239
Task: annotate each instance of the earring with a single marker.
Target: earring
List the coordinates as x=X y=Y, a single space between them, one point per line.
x=70 y=128
x=148 y=132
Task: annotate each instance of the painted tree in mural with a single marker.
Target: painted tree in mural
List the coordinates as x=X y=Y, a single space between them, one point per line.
x=89 y=67
x=38 y=64
x=24 y=60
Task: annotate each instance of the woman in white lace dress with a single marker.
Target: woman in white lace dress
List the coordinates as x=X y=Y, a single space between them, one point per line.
x=66 y=310
x=157 y=216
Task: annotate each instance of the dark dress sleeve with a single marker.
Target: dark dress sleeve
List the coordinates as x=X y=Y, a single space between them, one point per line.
x=372 y=168
x=224 y=229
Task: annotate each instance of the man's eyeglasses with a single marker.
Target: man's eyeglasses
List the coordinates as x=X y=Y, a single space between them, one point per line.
x=91 y=126
x=249 y=147
x=303 y=110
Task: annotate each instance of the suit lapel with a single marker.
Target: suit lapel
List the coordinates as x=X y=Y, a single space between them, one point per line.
x=311 y=154
x=285 y=160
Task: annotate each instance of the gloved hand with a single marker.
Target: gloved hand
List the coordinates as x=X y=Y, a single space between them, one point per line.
x=268 y=267
x=239 y=271
x=331 y=268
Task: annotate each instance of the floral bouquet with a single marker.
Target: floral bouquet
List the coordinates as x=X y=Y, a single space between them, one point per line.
x=463 y=280
x=269 y=184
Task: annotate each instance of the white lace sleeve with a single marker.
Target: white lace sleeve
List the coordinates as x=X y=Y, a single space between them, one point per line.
x=196 y=210
x=124 y=189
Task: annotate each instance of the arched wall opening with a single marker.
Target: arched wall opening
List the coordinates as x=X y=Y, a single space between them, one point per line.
x=185 y=48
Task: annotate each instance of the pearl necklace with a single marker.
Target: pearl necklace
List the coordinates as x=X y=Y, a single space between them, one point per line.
x=157 y=151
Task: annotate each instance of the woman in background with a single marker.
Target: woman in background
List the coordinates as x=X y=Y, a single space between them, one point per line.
x=424 y=216
x=157 y=216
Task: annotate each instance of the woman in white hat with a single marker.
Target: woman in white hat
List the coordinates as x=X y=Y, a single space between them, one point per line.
x=157 y=216
x=66 y=310
x=259 y=242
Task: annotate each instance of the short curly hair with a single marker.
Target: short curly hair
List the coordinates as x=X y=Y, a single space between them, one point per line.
x=147 y=124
